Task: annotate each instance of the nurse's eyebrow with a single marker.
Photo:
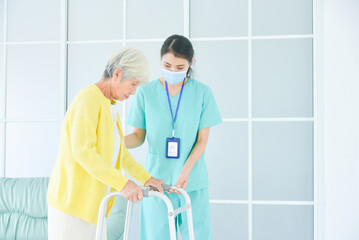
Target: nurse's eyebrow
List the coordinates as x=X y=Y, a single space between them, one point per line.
x=177 y=65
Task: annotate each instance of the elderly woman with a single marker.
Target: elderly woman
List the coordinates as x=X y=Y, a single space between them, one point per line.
x=92 y=152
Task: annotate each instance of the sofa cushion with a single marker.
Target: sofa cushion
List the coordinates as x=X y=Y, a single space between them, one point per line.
x=23 y=208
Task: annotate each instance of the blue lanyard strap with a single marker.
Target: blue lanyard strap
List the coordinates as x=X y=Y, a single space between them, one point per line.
x=169 y=102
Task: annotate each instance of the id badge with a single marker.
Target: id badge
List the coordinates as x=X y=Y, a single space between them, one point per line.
x=172 y=147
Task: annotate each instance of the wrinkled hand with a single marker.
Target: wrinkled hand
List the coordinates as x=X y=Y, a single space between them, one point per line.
x=182 y=182
x=132 y=192
x=154 y=182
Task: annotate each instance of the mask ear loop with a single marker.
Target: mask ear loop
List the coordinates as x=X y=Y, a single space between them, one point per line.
x=190 y=68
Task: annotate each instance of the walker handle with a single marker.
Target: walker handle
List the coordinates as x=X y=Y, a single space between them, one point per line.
x=146 y=190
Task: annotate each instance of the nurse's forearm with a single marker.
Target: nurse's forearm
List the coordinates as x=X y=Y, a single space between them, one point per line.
x=132 y=141
x=197 y=150
x=136 y=138
x=196 y=153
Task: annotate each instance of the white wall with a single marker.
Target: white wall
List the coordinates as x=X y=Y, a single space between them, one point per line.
x=341 y=92
x=271 y=42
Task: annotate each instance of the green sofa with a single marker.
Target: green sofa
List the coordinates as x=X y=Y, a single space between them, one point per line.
x=23 y=210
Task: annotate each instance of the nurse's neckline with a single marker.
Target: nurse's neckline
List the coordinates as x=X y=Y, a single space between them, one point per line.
x=176 y=91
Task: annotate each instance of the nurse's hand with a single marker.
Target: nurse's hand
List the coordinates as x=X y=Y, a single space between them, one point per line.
x=182 y=181
x=154 y=182
x=132 y=192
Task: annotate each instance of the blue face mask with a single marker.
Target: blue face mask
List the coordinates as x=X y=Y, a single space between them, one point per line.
x=173 y=77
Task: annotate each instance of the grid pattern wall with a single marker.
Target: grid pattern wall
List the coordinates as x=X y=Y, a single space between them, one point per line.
x=257 y=56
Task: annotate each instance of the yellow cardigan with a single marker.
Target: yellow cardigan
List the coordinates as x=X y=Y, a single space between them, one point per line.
x=83 y=169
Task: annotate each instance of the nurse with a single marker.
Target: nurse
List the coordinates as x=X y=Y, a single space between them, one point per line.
x=175 y=112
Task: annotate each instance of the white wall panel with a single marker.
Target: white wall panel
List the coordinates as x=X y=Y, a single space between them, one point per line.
x=210 y=19
x=282 y=17
x=227 y=161
x=31 y=148
x=277 y=222
x=283 y=78
x=2 y=12
x=223 y=65
x=2 y=145
x=35 y=20
x=341 y=147
x=95 y=20
x=2 y=95
x=283 y=161
x=229 y=221
x=154 y=19
x=33 y=81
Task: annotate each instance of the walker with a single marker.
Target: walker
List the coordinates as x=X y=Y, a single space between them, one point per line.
x=148 y=193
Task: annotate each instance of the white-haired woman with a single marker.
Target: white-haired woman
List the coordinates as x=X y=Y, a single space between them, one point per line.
x=92 y=152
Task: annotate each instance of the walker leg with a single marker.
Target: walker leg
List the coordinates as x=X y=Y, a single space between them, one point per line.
x=127 y=221
x=190 y=224
x=171 y=222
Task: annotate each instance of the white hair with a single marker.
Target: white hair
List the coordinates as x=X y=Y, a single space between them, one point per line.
x=132 y=62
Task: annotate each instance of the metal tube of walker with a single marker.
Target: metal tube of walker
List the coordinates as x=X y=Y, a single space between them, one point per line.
x=171 y=216
x=189 y=211
x=103 y=206
x=148 y=193
x=102 y=210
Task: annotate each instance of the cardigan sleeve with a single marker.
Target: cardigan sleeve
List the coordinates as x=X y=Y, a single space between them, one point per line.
x=134 y=168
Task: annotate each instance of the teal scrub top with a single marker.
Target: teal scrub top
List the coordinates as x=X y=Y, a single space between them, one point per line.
x=150 y=110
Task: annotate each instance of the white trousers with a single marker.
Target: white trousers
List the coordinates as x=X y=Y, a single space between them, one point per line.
x=62 y=226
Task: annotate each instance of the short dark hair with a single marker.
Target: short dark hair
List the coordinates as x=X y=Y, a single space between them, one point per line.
x=181 y=47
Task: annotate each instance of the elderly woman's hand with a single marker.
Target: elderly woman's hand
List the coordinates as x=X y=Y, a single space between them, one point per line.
x=132 y=192
x=154 y=182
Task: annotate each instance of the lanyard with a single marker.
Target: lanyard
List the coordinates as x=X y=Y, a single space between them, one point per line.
x=169 y=102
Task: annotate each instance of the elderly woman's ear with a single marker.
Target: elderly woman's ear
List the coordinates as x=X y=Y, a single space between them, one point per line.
x=118 y=74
